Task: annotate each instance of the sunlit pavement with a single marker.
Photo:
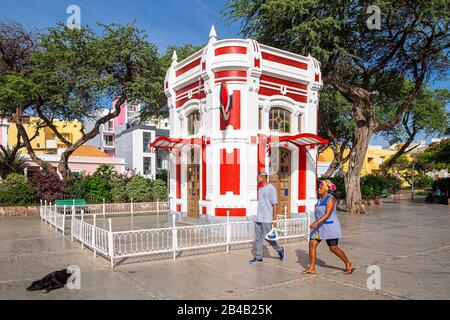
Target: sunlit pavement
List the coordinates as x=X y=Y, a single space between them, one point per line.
x=409 y=242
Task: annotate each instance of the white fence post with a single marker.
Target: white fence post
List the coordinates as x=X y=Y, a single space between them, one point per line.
x=93 y=236
x=174 y=237
x=40 y=210
x=285 y=224
x=81 y=229
x=131 y=209
x=104 y=208
x=228 y=231
x=64 y=220
x=71 y=224
x=157 y=213
x=110 y=243
x=45 y=212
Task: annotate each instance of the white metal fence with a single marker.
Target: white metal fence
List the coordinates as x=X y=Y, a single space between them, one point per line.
x=49 y=215
x=123 y=244
x=114 y=208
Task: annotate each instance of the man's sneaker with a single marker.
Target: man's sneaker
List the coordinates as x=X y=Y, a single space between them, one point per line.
x=282 y=255
x=255 y=261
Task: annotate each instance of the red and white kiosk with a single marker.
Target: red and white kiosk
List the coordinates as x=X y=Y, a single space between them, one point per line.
x=238 y=107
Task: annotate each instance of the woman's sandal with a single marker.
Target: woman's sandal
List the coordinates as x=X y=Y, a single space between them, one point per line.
x=349 y=271
x=307 y=272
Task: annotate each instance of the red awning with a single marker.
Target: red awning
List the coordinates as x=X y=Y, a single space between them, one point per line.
x=302 y=139
x=170 y=143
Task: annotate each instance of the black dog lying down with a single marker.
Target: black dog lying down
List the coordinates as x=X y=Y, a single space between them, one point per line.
x=52 y=281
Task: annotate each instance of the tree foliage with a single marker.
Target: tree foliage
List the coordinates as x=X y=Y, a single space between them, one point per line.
x=15 y=190
x=436 y=156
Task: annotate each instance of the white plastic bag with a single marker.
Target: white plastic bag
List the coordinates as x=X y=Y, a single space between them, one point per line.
x=272 y=235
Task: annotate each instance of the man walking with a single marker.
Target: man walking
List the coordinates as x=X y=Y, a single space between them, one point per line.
x=266 y=217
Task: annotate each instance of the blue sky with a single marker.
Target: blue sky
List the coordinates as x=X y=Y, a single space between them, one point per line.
x=165 y=22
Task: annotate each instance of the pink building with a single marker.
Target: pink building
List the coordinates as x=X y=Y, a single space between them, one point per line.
x=86 y=159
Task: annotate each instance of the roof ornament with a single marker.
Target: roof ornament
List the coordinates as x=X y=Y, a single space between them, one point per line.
x=174 y=57
x=212 y=35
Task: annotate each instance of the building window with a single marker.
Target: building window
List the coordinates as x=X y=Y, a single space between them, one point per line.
x=194 y=122
x=108 y=140
x=147 y=165
x=279 y=120
x=147 y=138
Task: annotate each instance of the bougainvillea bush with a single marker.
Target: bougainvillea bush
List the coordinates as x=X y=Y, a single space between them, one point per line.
x=49 y=186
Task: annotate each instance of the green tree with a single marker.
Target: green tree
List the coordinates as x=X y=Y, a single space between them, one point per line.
x=75 y=70
x=436 y=156
x=427 y=114
x=17 y=91
x=368 y=66
x=401 y=167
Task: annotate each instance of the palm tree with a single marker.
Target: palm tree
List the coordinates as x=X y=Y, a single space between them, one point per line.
x=11 y=161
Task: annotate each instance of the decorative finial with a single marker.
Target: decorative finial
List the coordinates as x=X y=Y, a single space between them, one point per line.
x=174 y=57
x=212 y=34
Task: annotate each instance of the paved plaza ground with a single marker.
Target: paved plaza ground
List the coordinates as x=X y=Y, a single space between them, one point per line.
x=410 y=242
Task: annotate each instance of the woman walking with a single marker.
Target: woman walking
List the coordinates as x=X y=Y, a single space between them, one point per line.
x=326 y=227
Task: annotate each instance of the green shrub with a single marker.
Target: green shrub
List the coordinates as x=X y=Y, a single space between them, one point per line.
x=423 y=182
x=392 y=183
x=159 y=190
x=97 y=189
x=16 y=190
x=76 y=188
x=372 y=186
x=118 y=191
x=139 y=189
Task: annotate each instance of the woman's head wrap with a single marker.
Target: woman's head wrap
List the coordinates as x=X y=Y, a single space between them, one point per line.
x=327 y=185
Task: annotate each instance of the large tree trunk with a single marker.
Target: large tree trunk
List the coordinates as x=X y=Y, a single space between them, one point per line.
x=353 y=174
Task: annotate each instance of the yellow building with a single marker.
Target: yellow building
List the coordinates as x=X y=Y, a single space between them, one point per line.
x=375 y=156
x=46 y=141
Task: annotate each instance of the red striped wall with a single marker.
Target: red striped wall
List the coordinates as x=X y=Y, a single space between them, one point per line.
x=283 y=60
x=188 y=67
x=301 y=177
x=234 y=212
x=230 y=172
x=230 y=50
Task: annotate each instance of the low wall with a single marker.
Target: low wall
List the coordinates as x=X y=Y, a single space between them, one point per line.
x=19 y=211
